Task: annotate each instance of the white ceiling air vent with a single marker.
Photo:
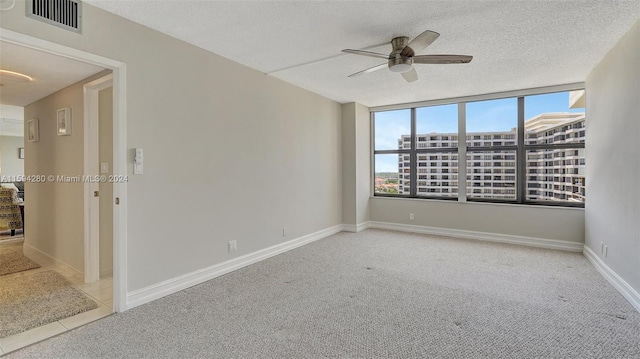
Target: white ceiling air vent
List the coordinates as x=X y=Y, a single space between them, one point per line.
x=62 y=13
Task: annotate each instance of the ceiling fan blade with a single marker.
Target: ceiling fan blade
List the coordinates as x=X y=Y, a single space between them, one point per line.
x=442 y=59
x=419 y=43
x=371 y=69
x=410 y=75
x=366 y=53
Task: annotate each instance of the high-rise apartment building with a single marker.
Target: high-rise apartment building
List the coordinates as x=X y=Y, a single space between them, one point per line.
x=551 y=173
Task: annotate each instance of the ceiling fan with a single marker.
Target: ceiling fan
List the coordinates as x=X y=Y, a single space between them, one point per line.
x=403 y=56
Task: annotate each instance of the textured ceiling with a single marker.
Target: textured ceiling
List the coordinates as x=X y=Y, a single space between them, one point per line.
x=515 y=44
x=50 y=73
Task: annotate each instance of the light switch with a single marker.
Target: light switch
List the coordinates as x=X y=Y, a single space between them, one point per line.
x=104 y=167
x=138 y=161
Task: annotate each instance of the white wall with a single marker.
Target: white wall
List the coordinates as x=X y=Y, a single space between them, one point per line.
x=613 y=158
x=10 y=164
x=230 y=153
x=349 y=209
x=363 y=163
x=554 y=223
x=356 y=164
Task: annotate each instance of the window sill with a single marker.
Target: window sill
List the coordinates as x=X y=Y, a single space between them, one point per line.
x=480 y=203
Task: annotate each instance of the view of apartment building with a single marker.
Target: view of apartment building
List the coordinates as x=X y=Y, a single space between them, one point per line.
x=551 y=173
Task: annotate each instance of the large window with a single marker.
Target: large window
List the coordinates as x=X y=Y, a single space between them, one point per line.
x=555 y=133
x=392 y=144
x=436 y=142
x=491 y=148
x=527 y=149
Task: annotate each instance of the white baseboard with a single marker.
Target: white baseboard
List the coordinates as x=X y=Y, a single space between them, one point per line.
x=612 y=277
x=483 y=236
x=356 y=228
x=44 y=259
x=170 y=286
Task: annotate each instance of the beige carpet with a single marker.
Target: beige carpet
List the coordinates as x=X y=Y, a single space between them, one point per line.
x=13 y=262
x=36 y=299
x=377 y=294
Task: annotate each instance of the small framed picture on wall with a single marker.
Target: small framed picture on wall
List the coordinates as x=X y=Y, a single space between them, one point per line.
x=64 y=121
x=33 y=132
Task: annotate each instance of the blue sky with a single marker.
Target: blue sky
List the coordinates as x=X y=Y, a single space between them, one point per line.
x=492 y=115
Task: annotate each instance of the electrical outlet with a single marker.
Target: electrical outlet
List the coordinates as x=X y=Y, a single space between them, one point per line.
x=411 y=217
x=601 y=247
x=284 y=231
x=606 y=251
x=233 y=245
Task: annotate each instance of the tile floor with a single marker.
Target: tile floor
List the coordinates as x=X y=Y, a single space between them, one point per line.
x=101 y=292
x=7 y=235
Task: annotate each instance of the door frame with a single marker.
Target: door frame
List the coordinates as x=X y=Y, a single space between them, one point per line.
x=119 y=72
x=91 y=170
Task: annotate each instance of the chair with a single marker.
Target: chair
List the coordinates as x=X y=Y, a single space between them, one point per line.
x=10 y=217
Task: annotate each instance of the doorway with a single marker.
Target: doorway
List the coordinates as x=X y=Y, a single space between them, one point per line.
x=117 y=165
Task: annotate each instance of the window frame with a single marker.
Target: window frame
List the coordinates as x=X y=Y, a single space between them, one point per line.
x=521 y=148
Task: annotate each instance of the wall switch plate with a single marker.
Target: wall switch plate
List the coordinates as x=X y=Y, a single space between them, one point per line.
x=138 y=162
x=284 y=231
x=233 y=245
x=411 y=217
x=104 y=167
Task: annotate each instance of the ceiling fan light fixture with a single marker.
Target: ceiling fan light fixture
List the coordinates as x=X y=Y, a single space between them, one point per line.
x=400 y=68
x=400 y=64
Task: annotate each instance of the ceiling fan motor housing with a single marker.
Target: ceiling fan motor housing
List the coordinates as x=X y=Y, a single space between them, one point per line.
x=397 y=62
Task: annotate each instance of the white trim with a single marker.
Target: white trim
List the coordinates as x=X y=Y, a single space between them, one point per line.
x=356 y=228
x=120 y=267
x=173 y=285
x=119 y=149
x=91 y=203
x=613 y=278
x=57 y=49
x=482 y=236
x=489 y=96
x=46 y=260
x=349 y=228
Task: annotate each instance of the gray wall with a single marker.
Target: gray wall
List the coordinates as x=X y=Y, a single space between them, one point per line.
x=230 y=153
x=613 y=158
x=54 y=211
x=356 y=163
x=10 y=164
x=556 y=223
